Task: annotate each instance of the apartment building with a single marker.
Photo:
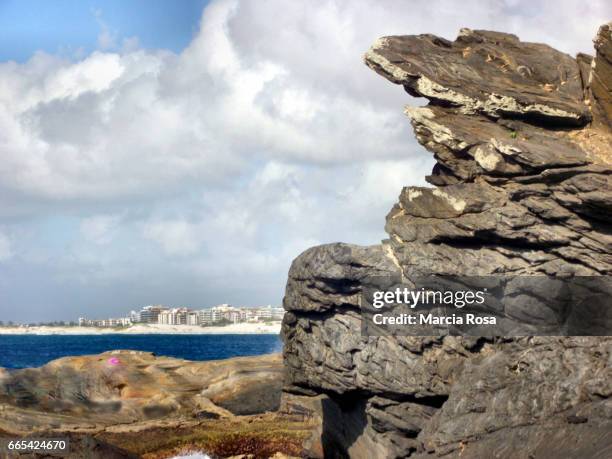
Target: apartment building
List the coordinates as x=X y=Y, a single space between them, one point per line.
x=177 y=316
x=150 y=314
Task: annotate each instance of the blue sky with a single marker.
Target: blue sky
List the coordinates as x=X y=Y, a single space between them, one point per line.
x=72 y=27
x=185 y=152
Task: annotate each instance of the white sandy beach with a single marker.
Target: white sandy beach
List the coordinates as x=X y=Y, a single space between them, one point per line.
x=149 y=329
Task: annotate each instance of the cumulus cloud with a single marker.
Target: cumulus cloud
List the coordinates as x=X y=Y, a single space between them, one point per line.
x=267 y=134
x=291 y=89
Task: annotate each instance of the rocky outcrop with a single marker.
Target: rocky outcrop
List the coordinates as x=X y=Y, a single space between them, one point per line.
x=132 y=404
x=485 y=72
x=523 y=185
x=91 y=393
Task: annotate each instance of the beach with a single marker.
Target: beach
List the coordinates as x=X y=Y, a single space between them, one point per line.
x=149 y=329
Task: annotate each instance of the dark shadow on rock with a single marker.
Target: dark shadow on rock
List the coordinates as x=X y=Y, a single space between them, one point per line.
x=344 y=421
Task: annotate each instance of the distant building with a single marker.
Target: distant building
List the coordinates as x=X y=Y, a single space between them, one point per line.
x=192 y=318
x=166 y=318
x=278 y=313
x=175 y=316
x=270 y=313
x=135 y=317
x=264 y=314
x=251 y=315
x=113 y=322
x=150 y=314
x=211 y=316
x=217 y=315
x=158 y=314
x=121 y=321
x=205 y=317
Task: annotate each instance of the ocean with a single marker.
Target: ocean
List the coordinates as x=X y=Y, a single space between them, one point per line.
x=21 y=351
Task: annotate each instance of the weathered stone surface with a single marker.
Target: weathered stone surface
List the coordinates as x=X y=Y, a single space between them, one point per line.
x=476 y=145
x=121 y=387
x=600 y=78
x=485 y=72
x=330 y=276
x=522 y=186
x=550 y=380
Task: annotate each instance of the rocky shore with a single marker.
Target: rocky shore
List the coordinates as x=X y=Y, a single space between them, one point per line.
x=124 y=404
x=522 y=136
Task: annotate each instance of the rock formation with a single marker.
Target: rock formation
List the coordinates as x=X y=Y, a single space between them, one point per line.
x=521 y=134
x=90 y=393
x=132 y=404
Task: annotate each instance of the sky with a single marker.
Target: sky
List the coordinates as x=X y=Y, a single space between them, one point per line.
x=184 y=153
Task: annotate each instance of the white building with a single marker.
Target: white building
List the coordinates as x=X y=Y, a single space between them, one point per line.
x=270 y=313
x=135 y=317
x=192 y=318
x=213 y=315
x=224 y=312
x=167 y=317
x=205 y=317
x=113 y=322
x=175 y=316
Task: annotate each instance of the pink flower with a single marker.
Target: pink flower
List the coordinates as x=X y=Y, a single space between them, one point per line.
x=113 y=361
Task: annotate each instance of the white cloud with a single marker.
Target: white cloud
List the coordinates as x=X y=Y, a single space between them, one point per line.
x=260 y=80
x=116 y=125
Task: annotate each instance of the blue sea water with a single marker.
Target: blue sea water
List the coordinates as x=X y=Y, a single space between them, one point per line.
x=21 y=351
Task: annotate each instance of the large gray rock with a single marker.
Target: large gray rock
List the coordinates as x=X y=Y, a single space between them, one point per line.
x=485 y=72
x=522 y=185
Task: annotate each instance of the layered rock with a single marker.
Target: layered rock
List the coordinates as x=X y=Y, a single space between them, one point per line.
x=521 y=135
x=91 y=393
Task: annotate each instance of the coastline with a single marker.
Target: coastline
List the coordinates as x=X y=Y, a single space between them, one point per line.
x=150 y=329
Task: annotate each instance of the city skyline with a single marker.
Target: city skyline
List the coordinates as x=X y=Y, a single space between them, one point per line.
x=135 y=317
x=183 y=315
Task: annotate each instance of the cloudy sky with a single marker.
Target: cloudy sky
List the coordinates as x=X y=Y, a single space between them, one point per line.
x=185 y=152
